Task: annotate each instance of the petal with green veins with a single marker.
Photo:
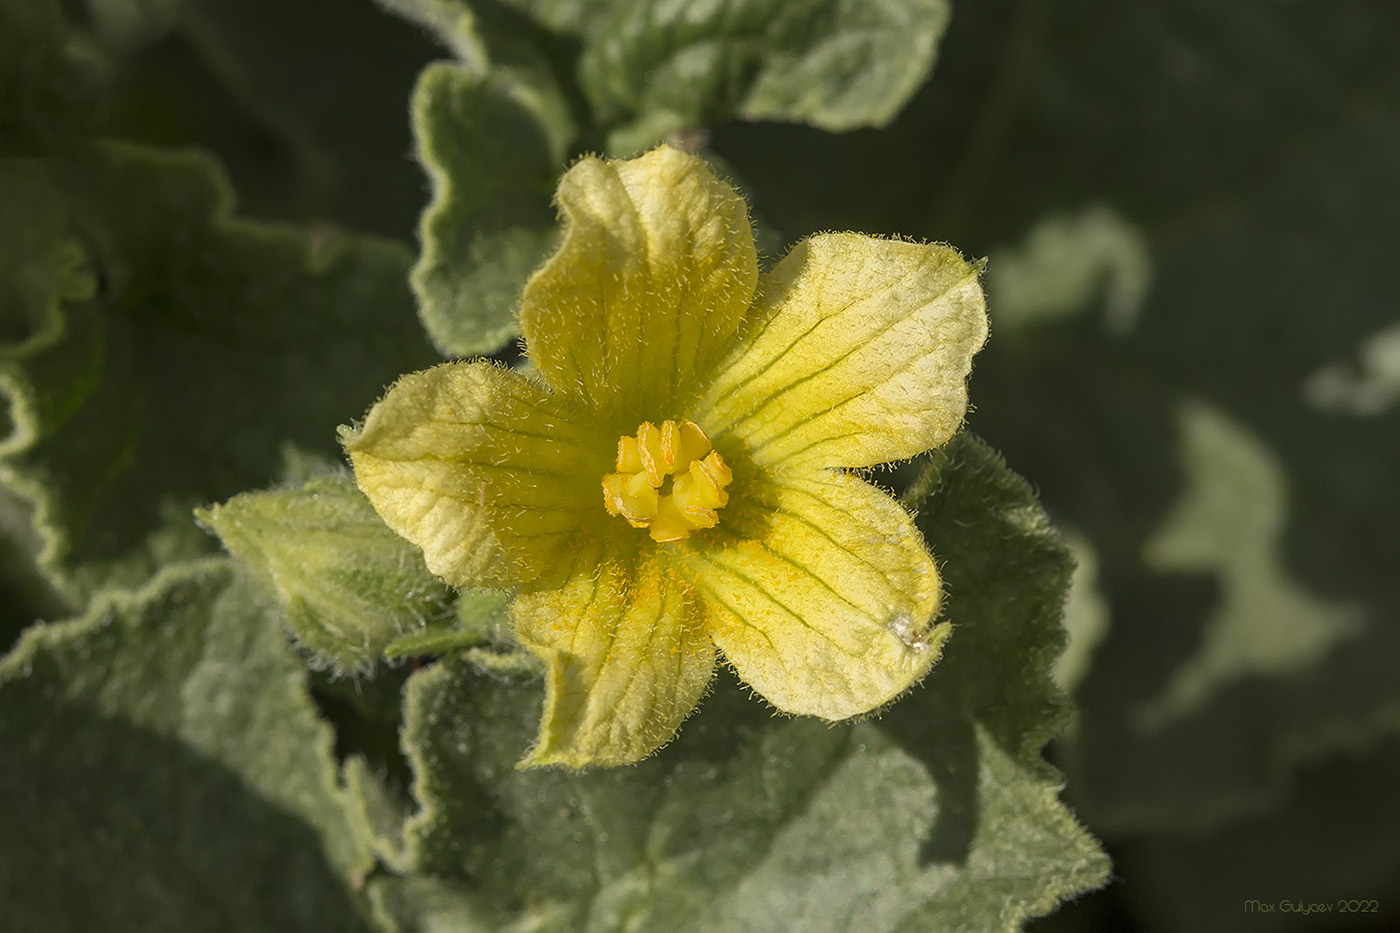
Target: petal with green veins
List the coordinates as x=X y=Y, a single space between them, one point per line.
x=628 y=658
x=858 y=354
x=655 y=274
x=829 y=612
x=485 y=470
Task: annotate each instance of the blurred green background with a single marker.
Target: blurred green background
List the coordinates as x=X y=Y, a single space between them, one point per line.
x=1191 y=211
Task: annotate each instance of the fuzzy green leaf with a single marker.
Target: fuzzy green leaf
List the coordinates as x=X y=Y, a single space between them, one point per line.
x=1227 y=523
x=165 y=769
x=651 y=69
x=564 y=16
x=206 y=349
x=378 y=811
x=424 y=904
x=348 y=585
x=320 y=96
x=1231 y=449
x=42 y=266
x=50 y=78
x=493 y=163
x=1325 y=858
x=938 y=812
x=1215 y=730
x=648 y=70
x=506 y=44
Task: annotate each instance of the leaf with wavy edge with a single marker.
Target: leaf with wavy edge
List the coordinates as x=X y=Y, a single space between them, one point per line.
x=164 y=753
x=939 y=811
x=207 y=347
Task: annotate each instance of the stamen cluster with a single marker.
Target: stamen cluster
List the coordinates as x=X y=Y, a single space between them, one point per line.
x=668 y=480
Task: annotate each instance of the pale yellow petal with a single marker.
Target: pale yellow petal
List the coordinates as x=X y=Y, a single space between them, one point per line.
x=628 y=659
x=486 y=471
x=858 y=354
x=830 y=612
x=655 y=274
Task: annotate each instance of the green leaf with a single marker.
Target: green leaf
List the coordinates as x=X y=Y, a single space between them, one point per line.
x=25 y=594
x=647 y=70
x=424 y=904
x=42 y=266
x=378 y=810
x=1227 y=523
x=1264 y=201
x=331 y=79
x=1369 y=387
x=50 y=79
x=347 y=584
x=564 y=16
x=1328 y=848
x=1241 y=698
x=164 y=757
x=1068 y=261
x=509 y=45
x=493 y=160
x=494 y=131
x=1087 y=615
x=127 y=26
x=940 y=812
x=652 y=69
x=208 y=346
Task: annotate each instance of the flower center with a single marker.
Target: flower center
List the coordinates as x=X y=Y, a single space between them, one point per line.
x=668 y=480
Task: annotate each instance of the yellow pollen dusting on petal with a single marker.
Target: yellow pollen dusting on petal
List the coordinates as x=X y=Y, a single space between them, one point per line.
x=668 y=480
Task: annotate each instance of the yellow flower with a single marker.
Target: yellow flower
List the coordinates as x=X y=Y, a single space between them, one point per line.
x=672 y=486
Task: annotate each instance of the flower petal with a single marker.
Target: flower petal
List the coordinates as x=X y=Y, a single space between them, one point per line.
x=628 y=659
x=481 y=468
x=656 y=272
x=828 y=614
x=858 y=354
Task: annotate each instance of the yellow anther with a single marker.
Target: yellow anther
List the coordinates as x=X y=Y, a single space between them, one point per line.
x=668 y=480
x=702 y=486
x=649 y=440
x=629 y=455
x=631 y=496
x=692 y=443
x=670 y=524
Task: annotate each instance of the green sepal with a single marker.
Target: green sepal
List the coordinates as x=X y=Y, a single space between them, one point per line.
x=482 y=617
x=348 y=586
